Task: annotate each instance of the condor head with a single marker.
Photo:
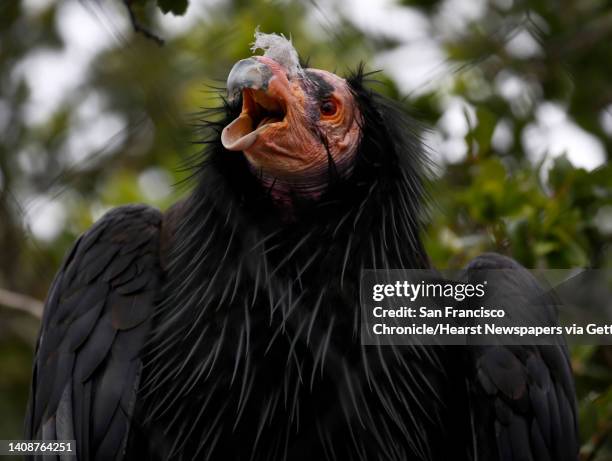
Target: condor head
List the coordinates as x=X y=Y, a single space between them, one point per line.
x=295 y=124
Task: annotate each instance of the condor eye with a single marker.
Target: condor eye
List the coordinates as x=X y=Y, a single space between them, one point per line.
x=328 y=107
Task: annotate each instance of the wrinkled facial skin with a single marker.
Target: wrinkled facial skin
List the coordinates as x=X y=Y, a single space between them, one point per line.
x=291 y=127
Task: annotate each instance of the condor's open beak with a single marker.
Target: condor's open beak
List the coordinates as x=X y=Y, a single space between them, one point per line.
x=266 y=94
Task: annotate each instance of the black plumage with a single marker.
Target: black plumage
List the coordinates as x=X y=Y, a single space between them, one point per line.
x=227 y=329
x=93 y=330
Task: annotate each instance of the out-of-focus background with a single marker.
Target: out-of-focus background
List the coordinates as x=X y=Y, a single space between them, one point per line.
x=517 y=95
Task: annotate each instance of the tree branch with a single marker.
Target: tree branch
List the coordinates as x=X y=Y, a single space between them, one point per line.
x=138 y=27
x=22 y=303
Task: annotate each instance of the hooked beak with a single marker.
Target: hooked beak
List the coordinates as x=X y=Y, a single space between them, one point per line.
x=247 y=73
x=265 y=91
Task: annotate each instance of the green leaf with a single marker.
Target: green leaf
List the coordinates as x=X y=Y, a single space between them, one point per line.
x=176 y=7
x=483 y=132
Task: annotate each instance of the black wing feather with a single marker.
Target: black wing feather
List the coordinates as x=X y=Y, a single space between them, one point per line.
x=522 y=397
x=95 y=323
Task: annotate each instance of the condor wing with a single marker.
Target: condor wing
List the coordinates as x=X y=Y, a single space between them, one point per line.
x=522 y=397
x=96 y=319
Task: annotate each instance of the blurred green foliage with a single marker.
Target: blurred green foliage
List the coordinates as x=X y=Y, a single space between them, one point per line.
x=546 y=213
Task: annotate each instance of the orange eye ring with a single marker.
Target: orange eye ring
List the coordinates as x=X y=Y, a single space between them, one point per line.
x=328 y=108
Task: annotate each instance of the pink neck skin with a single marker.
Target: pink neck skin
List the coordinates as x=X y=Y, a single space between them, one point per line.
x=311 y=186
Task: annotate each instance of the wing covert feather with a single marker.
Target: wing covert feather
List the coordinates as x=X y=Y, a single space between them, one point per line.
x=522 y=396
x=96 y=319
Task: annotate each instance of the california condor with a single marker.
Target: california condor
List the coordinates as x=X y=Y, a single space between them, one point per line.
x=227 y=328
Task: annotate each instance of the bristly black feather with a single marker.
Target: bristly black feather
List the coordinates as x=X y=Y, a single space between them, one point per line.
x=259 y=315
x=250 y=322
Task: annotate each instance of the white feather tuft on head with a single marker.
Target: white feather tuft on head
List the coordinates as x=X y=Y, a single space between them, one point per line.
x=280 y=49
